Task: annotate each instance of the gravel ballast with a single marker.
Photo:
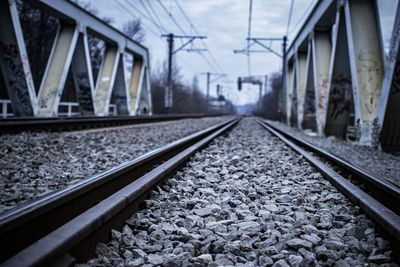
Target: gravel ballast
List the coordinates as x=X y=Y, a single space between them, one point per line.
x=35 y=164
x=246 y=200
x=376 y=162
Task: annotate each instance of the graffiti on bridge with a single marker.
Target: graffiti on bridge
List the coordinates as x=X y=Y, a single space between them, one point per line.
x=322 y=93
x=370 y=78
x=16 y=76
x=44 y=102
x=102 y=95
x=84 y=93
x=340 y=96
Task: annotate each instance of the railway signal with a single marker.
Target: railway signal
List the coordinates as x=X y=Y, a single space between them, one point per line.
x=251 y=80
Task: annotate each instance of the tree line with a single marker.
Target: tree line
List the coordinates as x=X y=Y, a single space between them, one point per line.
x=269 y=107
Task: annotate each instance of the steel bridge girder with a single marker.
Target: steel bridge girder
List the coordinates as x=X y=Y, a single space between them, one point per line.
x=135 y=85
x=14 y=62
x=105 y=81
x=321 y=49
x=366 y=65
x=301 y=83
x=289 y=90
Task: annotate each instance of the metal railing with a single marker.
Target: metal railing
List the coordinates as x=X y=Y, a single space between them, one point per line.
x=112 y=110
x=72 y=109
x=5 y=111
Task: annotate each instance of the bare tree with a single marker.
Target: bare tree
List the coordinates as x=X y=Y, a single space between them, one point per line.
x=187 y=98
x=39 y=31
x=134 y=30
x=270 y=101
x=89 y=8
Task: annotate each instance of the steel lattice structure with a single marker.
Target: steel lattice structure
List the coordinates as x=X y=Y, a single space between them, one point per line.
x=70 y=51
x=338 y=76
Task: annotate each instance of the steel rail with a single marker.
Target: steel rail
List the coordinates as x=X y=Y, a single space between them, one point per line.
x=14 y=125
x=383 y=216
x=381 y=189
x=46 y=214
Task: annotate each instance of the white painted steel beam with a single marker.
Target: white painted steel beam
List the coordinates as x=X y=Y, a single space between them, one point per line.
x=67 y=10
x=321 y=53
x=366 y=64
x=105 y=81
x=72 y=13
x=294 y=99
x=14 y=63
x=289 y=91
x=143 y=100
x=150 y=103
x=301 y=83
x=309 y=121
x=319 y=9
x=135 y=83
x=57 y=70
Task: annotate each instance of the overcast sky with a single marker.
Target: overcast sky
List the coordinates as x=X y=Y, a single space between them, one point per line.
x=225 y=23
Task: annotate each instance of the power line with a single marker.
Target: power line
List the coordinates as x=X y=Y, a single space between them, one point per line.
x=217 y=66
x=151 y=16
x=181 y=29
x=126 y=9
x=156 y=22
x=185 y=15
x=155 y=14
x=171 y=17
x=213 y=63
x=140 y=12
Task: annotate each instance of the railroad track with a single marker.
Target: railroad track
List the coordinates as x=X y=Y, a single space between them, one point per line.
x=67 y=224
x=15 y=125
x=381 y=198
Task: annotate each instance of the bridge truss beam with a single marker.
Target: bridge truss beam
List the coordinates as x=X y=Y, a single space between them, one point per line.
x=353 y=86
x=70 y=52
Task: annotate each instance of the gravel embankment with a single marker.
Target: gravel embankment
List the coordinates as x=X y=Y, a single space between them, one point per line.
x=246 y=200
x=376 y=162
x=34 y=164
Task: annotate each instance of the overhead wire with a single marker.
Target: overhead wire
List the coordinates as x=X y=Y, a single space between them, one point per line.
x=155 y=21
x=141 y=14
x=185 y=15
x=151 y=15
x=196 y=31
x=184 y=32
x=171 y=17
x=127 y=11
x=155 y=14
x=215 y=64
